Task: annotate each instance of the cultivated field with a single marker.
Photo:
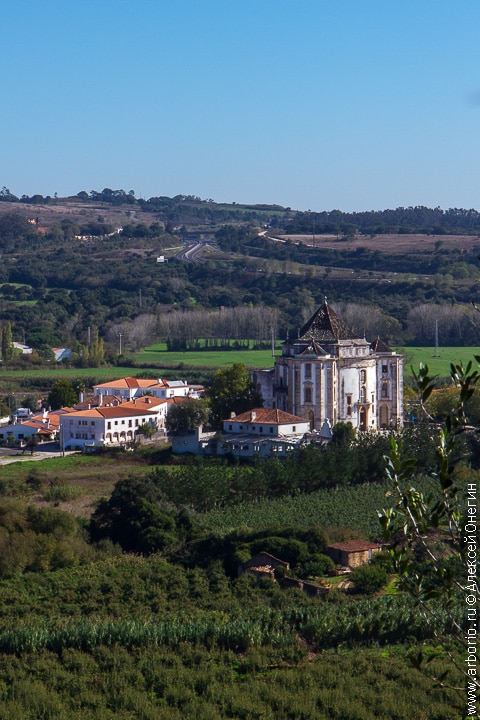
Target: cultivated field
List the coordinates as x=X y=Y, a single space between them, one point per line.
x=396 y=244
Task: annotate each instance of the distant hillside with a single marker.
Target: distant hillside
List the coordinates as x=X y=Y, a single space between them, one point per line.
x=117 y=207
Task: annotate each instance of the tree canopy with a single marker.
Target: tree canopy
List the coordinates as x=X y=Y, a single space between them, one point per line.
x=187 y=415
x=62 y=394
x=232 y=390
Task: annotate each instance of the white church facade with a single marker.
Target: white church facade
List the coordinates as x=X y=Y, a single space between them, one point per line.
x=328 y=374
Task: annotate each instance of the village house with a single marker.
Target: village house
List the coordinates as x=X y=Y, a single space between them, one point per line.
x=22 y=348
x=352 y=553
x=257 y=433
x=107 y=425
x=129 y=388
x=61 y=354
x=44 y=426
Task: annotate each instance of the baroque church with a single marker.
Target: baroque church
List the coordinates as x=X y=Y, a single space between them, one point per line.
x=329 y=374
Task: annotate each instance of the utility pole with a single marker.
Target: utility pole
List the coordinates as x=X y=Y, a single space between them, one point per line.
x=120 y=347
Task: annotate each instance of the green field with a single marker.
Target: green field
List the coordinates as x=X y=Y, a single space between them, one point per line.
x=438 y=361
x=158 y=354
x=158 y=358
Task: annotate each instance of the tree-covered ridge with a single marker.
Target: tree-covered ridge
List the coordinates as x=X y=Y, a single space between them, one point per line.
x=191 y=208
x=75 y=269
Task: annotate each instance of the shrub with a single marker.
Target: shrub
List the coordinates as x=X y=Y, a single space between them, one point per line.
x=368 y=579
x=317 y=566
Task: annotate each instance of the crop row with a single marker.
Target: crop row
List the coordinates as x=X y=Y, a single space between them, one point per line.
x=388 y=620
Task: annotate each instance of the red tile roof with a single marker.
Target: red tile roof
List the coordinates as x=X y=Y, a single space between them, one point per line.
x=354 y=546
x=267 y=415
x=117 y=411
x=129 y=382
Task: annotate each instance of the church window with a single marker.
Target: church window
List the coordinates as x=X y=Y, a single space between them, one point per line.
x=363 y=395
x=349 y=405
x=308 y=370
x=363 y=375
x=384 y=390
x=308 y=395
x=384 y=369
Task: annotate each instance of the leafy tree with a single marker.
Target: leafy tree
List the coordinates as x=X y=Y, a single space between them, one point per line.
x=368 y=579
x=136 y=517
x=14 y=231
x=187 y=415
x=232 y=390
x=317 y=565
x=440 y=528
x=343 y=434
x=62 y=394
x=147 y=429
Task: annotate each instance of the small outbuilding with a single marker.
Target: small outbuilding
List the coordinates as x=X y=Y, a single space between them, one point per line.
x=263 y=564
x=353 y=553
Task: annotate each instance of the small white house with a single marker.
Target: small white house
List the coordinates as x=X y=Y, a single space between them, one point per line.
x=24 y=349
x=257 y=433
x=267 y=422
x=21 y=431
x=62 y=354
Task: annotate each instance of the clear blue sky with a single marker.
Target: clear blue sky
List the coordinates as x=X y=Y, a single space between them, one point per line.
x=313 y=104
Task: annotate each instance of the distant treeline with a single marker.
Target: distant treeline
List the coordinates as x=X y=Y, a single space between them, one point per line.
x=191 y=208
x=420 y=219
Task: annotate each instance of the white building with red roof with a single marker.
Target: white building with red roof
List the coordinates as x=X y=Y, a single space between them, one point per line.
x=267 y=422
x=128 y=388
x=261 y=432
x=108 y=425
x=44 y=426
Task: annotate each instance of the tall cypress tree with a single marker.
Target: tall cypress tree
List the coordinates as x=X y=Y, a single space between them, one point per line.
x=7 y=340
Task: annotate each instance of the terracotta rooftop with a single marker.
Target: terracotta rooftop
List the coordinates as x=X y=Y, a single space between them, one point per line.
x=146 y=402
x=354 y=545
x=267 y=415
x=117 y=411
x=129 y=382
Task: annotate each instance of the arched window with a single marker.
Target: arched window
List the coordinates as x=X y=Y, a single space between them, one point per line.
x=308 y=394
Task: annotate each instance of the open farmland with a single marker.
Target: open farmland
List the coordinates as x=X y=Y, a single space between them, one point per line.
x=394 y=243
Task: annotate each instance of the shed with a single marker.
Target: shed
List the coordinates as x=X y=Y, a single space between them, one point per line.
x=263 y=564
x=353 y=553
